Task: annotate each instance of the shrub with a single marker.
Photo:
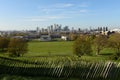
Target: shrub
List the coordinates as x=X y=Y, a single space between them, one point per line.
x=82 y=46
x=17 y=47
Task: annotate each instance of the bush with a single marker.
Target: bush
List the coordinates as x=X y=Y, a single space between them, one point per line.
x=17 y=47
x=114 y=42
x=82 y=46
x=4 y=43
x=116 y=56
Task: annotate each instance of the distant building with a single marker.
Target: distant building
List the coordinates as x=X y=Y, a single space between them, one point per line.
x=64 y=38
x=45 y=38
x=115 y=30
x=106 y=33
x=17 y=37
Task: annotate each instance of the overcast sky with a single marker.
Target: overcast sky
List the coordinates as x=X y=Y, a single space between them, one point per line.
x=29 y=14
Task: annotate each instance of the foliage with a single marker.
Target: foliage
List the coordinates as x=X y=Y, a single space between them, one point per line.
x=82 y=46
x=4 y=43
x=17 y=47
x=92 y=36
x=73 y=36
x=100 y=43
x=114 y=42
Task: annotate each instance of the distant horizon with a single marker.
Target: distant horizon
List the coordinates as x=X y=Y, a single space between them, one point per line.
x=29 y=14
x=75 y=28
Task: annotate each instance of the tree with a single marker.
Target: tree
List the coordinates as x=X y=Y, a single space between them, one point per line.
x=100 y=42
x=82 y=46
x=17 y=47
x=72 y=36
x=4 y=43
x=114 y=42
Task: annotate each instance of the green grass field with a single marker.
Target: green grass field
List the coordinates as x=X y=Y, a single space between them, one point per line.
x=50 y=48
x=37 y=49
x=48 y=52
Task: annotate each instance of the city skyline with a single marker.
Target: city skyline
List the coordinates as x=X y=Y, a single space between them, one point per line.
x=29 y=14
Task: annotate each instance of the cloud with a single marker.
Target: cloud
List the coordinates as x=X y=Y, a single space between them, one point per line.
x=63 y=5
x=77 y=12
x=37 y=19
x=45 y=18
x=64 y=9
x=51 y=10
x=59 y=7
x=83 y=5
x=83 y=11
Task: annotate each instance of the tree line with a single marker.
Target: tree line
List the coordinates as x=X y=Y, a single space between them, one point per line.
x=85 y=44
x=14 y=46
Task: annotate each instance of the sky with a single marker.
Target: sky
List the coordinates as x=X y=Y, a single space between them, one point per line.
x=29 y=14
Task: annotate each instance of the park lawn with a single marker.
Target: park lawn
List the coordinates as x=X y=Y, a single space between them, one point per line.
x=53 y=51
x=37 y=49
x=59 y=49
x=50 y=48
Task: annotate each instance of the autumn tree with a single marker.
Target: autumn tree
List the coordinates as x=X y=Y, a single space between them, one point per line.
x=114 y=41
x=17 y=47
x=100 y=43
x=82 y=46
x=72 y=36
